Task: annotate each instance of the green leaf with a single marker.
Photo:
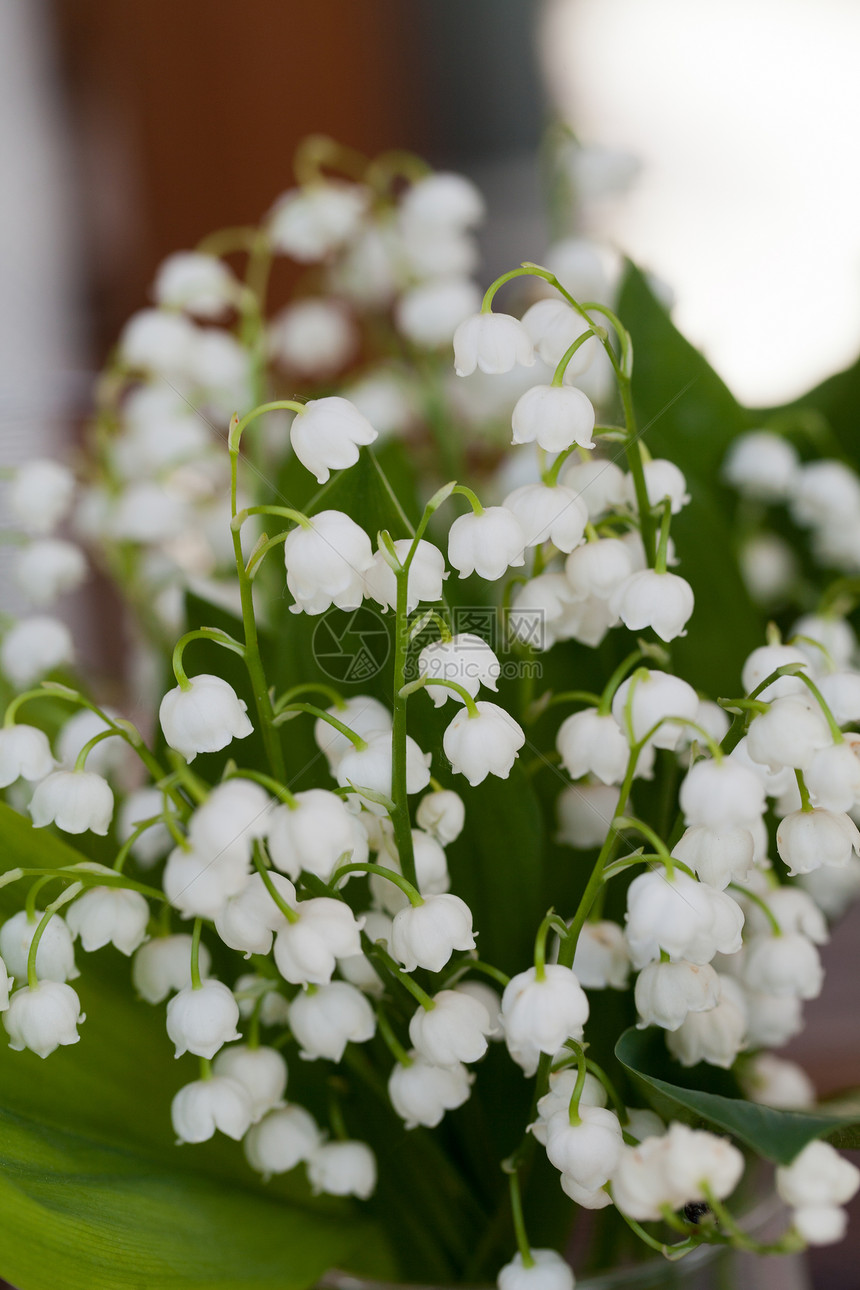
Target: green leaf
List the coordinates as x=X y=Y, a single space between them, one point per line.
x=93 y=1190
x=775 y=1135
x=690 y=416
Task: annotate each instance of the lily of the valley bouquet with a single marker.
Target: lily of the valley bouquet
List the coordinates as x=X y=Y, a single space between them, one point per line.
x=481 y=793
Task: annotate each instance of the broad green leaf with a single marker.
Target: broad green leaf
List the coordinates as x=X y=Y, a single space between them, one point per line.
x=689 y=416
x=94 y=1192
x=776 y=1135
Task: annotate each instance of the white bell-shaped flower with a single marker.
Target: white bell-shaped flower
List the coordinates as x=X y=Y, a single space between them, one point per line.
x=443 y=198
x=306 y=951
x=252 y=992
x=663 y=480
x=553 y=326
x=539 y=1014
x=281 y=1140
x=206 y=1105
x=145 y=513
x=761 y=465
x=666 y=992
x=657 y=697
x=154 y=842
x=651 y=599
x=818 y=1175
x=46 y=569
x=426 y=935
x=431 y=871
x=200 y=284
x=841 y=693
x=441 y=813
x=772 y=1019
x=327 y=434
x=598 y=568
x=315 y=338
x=109 y=916
x=427 y=252
x=248 y=920
x=556 y=1101
x=421 y=1093
x=325 y=1018
x=427 y=574
x=793 y=909
x=678 y=915
x=774 y=1081
x=74 y=800
x=108 y=756
x=820 y=1224
x=765 y=660
x=493 y=343
x=362 y=714
x=25 y=753
x=453 y=1030
x=543 y=611
x=833 y=890
x=825 y=492
x=310 y=222
x=488 y=543
x=33 y=647
x=235 y=814
x=549 y=514
x=589 y=1151
x=592 y=744
x=370 y=767
x=43 y=1017
x=640 y=1184
x=199 y=885
x=154 y=340
x=315 y=835
x=600 y=484
x=429 y=313
x=262 y=1072
x=585 y=813
x=326 y=563
x=485 y=744
x=162 y=966
x=696 y=1160
x=717 y=856
x=358 y=968
x=202 y=1020
x=785 y=964
x=833 y=776
x=807 y=839
x=789 y=733
x=555 y=417
x=204 y=716
x=602 y=959
x=343 y=1169
x=719 y=794
x=465 y=659
x=385 y=396
x=582 y=1196
x=40 y=494
x=547 y=1272
x=6 y=983
x=715 y=1036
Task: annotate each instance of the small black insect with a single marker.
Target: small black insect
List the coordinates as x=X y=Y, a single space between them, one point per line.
x=695 y=1210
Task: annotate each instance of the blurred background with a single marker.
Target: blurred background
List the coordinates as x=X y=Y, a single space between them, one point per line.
x=723 y=158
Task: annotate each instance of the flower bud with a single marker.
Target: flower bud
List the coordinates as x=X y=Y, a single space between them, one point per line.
x=427 y=574
x=554 y=417
x=441 y=813
x=549 y=514
x=306 y=951
x=587 y=1152
x=25 y=753
x=203 y=1106
x=426 y=935
x=202 y=1020
x=540 y=1014
x=488 y=543
x=109 y=916
x=326 y=435
x=820 y=1224
x=40 y=494
x=421 y=1093
x=662 y=601
x=161 y=966
x=55 y=957
x=343 y=1169
x=33 y=647
x=548 y=1272
x=325 y=1018
x=43 y=1017
x=262 y=1073
x=482 y=745
x=494 y=343
x=817 y=1176
x=326 y=563
x=204 y=717
x=454 y=1030
x=666 y=992
x=465 y=659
